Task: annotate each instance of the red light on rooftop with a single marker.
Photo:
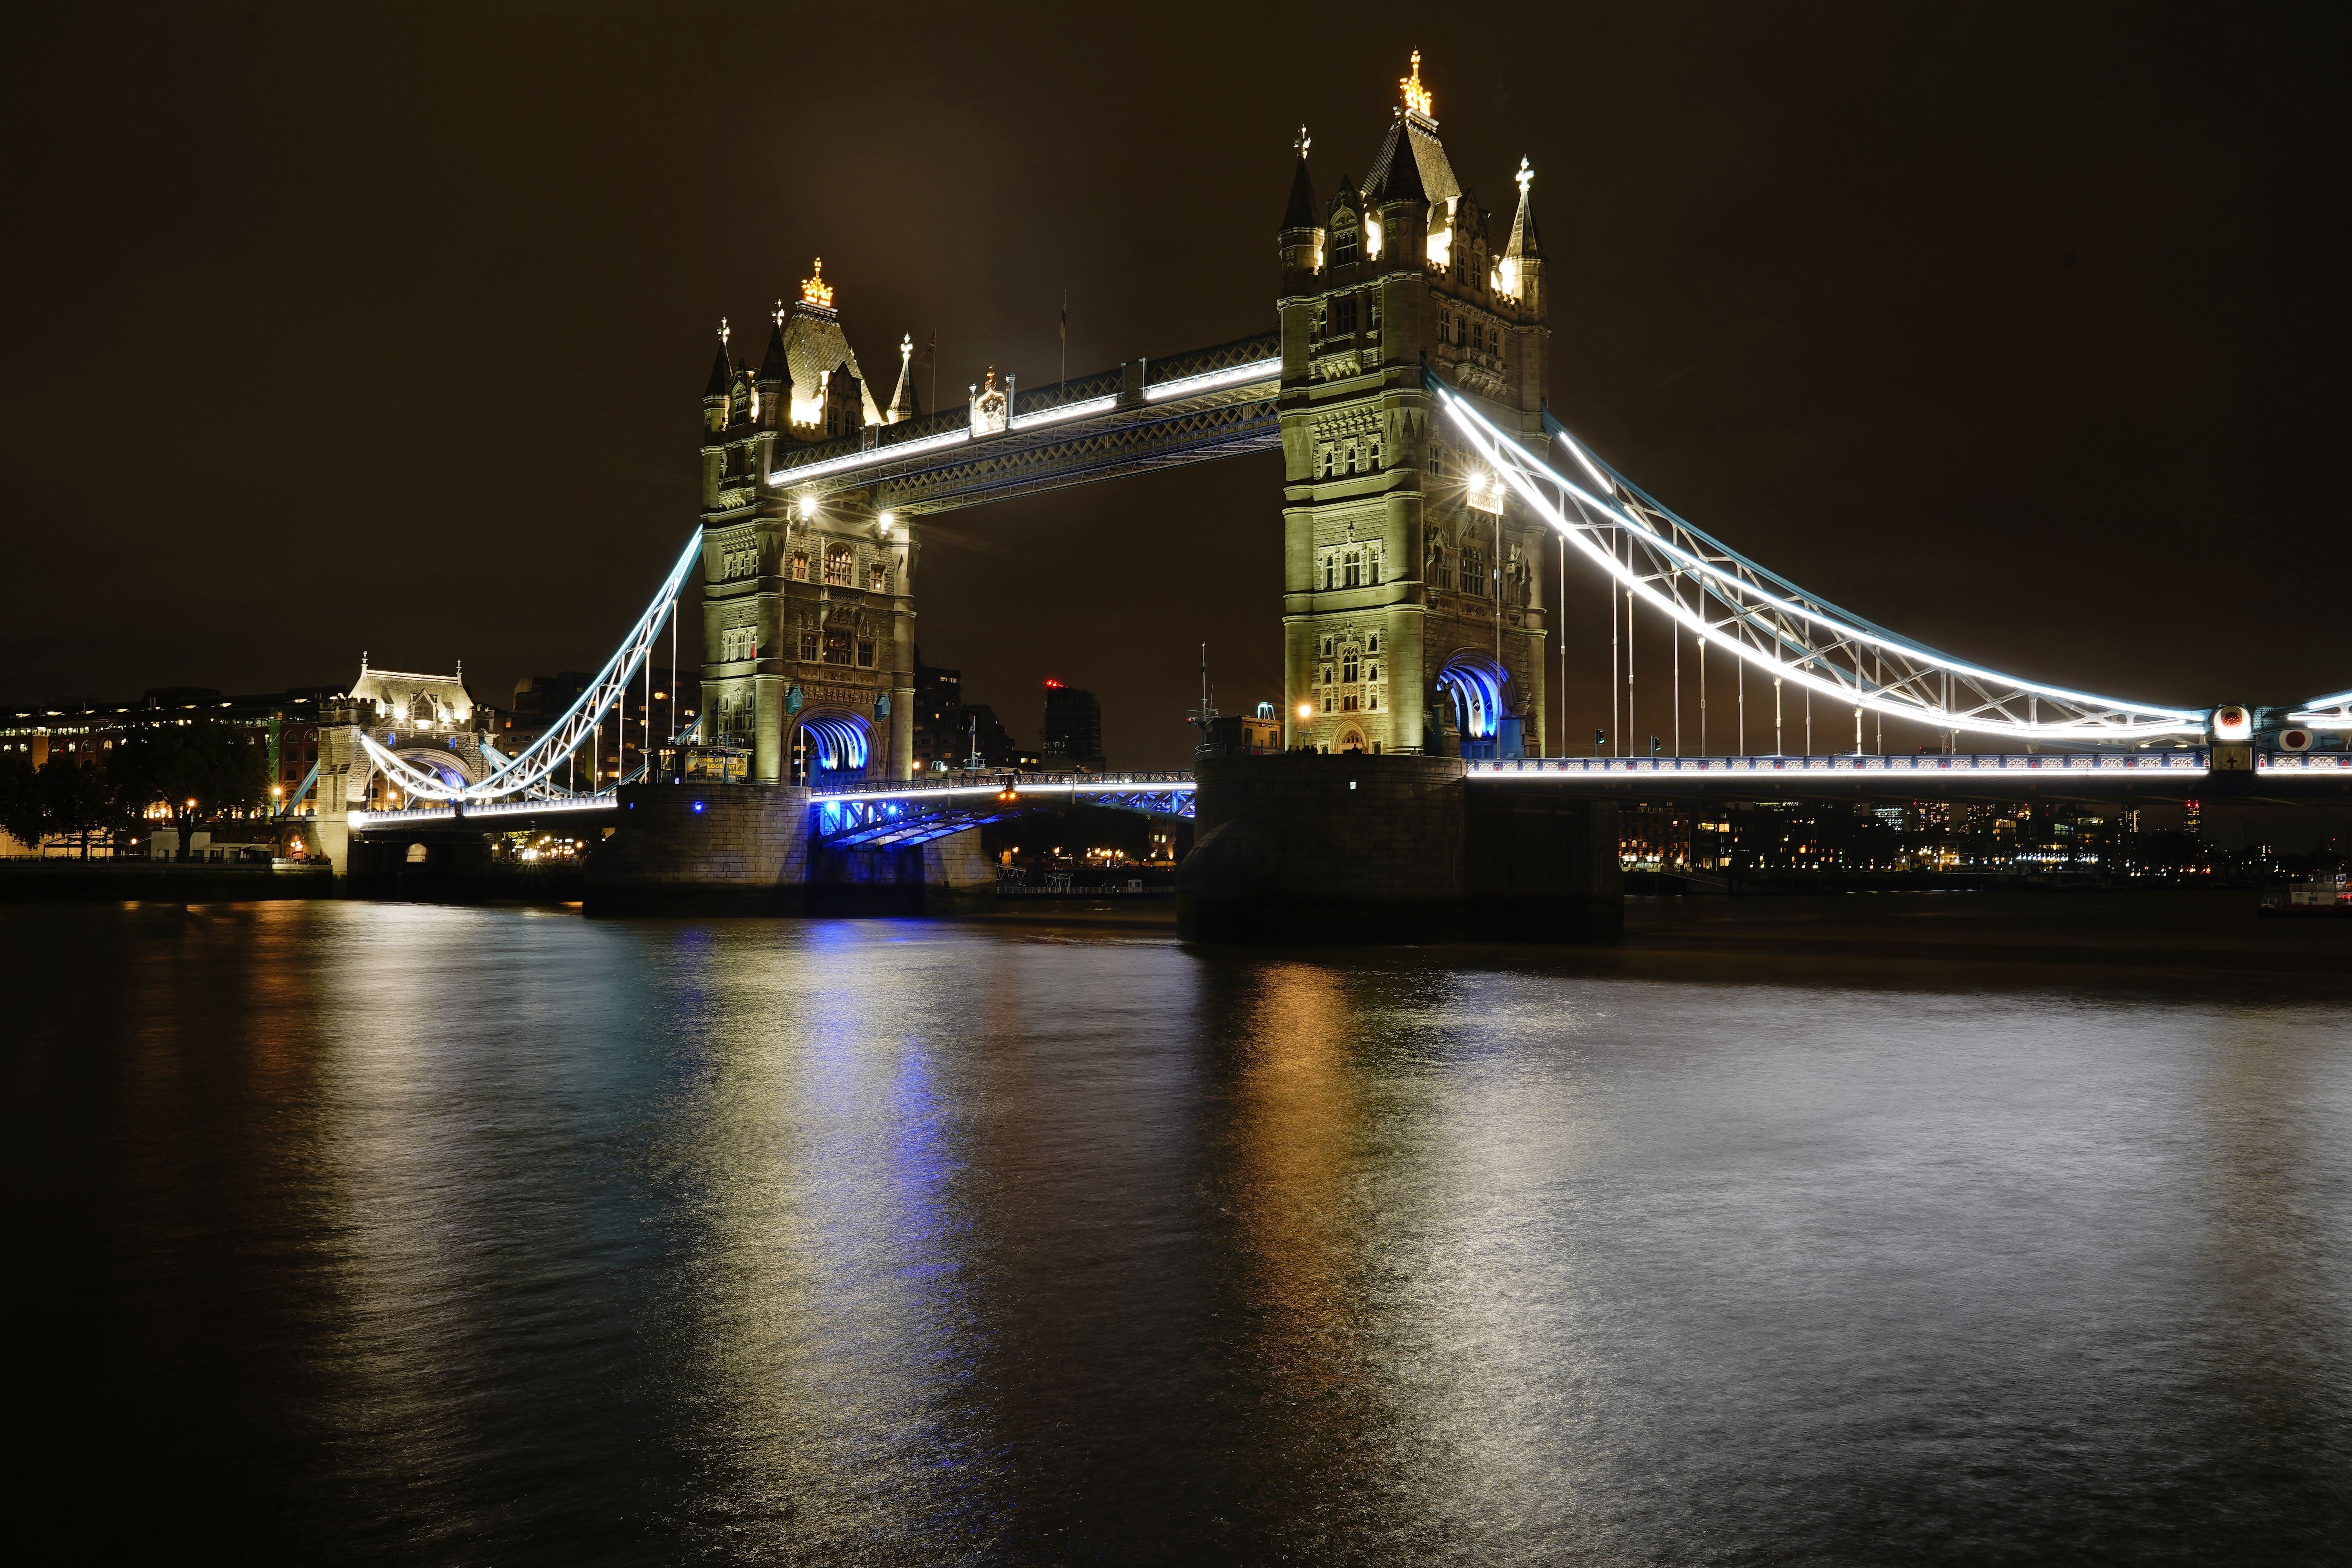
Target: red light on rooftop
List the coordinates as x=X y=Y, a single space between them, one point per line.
x=1053 y=685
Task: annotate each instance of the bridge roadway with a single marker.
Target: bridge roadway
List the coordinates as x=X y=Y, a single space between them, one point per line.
x=899 y=815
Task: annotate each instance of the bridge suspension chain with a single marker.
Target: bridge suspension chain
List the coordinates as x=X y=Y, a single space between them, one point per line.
x=584 y=719
x=1771 y=623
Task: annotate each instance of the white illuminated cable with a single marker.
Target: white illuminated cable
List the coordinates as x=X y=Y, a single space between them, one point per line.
x=1847 y=630
x=538 y=759
x=1493 y=444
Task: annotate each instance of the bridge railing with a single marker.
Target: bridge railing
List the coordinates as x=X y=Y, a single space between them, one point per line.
x=483 y=811
x=2076 y=763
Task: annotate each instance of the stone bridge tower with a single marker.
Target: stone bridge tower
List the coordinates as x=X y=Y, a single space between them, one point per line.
x=808 y=607
x=1413 y=616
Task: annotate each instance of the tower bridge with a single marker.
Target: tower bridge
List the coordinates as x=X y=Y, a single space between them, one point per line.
x=1405 y=384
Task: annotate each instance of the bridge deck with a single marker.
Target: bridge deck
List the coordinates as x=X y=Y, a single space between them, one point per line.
x=857 y=815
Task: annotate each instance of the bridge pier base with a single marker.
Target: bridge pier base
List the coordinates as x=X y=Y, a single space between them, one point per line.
x=704 y=848
x=1311 y=848
x=745 y=849
x=947 y=876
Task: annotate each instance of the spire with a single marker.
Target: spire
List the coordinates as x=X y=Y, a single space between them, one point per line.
x=774 y=366
x=1416 y=97
x=1300 y=214
x=1524 y=242
x=722 y=374
x=904 y=404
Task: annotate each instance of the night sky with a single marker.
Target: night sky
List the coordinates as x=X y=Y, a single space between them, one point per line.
x=2023 y=332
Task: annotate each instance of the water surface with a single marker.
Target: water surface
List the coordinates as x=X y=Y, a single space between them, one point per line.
x=367 y=1233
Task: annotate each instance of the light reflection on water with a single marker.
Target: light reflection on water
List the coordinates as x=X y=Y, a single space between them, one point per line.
x=437 y=1235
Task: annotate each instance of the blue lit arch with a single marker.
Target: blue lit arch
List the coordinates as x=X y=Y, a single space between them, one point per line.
x=838 y=744
x=1474 y=681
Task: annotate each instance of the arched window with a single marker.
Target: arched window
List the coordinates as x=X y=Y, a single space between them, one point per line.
x=838 y=565
x=1343 y=241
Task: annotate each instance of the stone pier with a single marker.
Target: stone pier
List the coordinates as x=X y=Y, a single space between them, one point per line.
x=745 y=849
x=1312 y=848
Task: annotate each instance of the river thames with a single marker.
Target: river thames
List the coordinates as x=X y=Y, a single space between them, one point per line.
x=390 y=1234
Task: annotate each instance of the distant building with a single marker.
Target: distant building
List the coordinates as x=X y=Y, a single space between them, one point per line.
x=87 y=733
x=1072 y=726
x=540 y=698
x=1254 y=734
x=940 y=739
x=985 y=732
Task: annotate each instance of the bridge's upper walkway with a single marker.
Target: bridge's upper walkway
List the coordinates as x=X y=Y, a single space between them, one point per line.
x=1207 y=402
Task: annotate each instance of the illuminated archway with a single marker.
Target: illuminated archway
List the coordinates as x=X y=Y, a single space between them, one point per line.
x=832 y=745
x=1474 y=681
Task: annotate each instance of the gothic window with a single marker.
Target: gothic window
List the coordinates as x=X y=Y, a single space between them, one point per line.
x=1373 y=562
x=1373 y=453
x=876 y=577
x=1355 y=569
x=1343 y=238
x=1326 y=574
x=1349 y=670
x=800 y=566
x=839 y=564
x=1343 y=317
x=1372 y=643
x=1474 y=573
x=808 y=645
x=1436 y=456
x=1327 y=652
x=1371 y=671
x=1323 y=460
x=866 y=652
x=836 y=647
x=1445 y=566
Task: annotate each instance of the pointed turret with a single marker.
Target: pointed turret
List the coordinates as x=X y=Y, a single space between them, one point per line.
x=1522 y=269
x=1524 y=242
x=714 y=390
x=904 y=404
x=1396 y=172
x=775 y=375
x=1300 y=212
x=1300 y=240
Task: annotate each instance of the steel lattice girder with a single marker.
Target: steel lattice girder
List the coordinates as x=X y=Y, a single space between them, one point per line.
x=900 y=822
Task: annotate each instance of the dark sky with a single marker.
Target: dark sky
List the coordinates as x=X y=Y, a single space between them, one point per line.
x=2020 y=331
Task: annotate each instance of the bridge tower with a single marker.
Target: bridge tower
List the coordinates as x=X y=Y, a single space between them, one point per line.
x=808 y=607
x=1413 y=614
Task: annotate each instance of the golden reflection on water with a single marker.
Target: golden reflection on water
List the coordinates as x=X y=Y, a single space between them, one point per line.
x=830 y=1324
x=1304 y=1227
